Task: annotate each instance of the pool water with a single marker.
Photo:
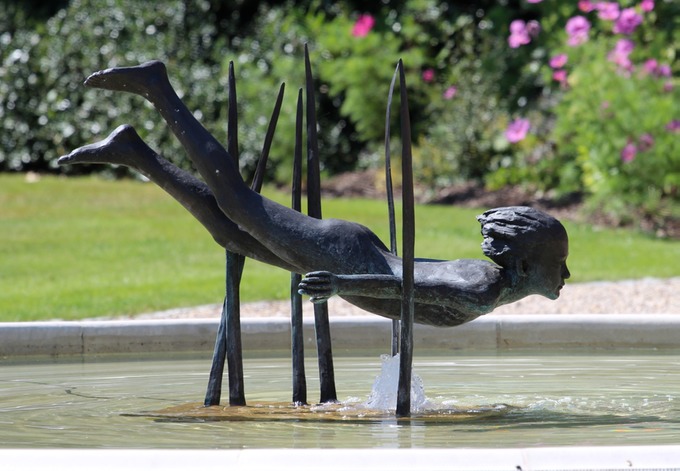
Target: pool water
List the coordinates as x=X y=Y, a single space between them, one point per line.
x=472 y=400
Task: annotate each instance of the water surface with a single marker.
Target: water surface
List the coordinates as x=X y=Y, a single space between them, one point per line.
x=473 y=400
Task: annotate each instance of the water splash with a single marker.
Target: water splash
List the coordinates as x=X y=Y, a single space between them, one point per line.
x=384 y=392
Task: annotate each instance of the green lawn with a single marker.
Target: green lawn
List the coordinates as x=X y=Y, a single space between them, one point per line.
x=83 y=247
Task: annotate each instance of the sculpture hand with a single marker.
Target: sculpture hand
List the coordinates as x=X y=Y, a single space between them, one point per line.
x=319 y=285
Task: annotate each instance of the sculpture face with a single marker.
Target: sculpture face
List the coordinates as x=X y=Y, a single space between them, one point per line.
x=548 y=268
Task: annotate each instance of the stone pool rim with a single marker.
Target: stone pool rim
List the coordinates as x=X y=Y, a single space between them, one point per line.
x=490 y=332
x=613 y=458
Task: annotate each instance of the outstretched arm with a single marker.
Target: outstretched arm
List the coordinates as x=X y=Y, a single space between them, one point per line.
x=322 y=285
x=461 y=286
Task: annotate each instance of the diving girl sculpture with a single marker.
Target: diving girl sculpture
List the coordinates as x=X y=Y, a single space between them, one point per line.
x=528 y=247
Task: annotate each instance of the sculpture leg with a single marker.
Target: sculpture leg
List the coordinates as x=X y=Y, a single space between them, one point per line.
x=277 y=227
x=150 y=80
x=124 y=147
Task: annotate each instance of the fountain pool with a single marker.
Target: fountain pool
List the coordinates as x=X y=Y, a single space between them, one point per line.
x=474 y=399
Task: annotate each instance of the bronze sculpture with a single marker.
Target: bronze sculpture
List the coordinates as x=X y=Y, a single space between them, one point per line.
x=529 y=247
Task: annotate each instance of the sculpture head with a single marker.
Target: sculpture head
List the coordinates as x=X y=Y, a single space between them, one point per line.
x=531 y=243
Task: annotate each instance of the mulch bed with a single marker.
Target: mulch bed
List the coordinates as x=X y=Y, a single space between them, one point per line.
x=370 y=184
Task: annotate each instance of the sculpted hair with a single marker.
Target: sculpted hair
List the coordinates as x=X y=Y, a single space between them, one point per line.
x=514 y=231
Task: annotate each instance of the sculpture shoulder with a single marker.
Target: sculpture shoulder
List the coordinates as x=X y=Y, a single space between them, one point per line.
x=467 y=283
x=465 y=272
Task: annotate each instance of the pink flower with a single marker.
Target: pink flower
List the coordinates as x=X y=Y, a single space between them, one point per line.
x=363 y=26
x=558 y=61
x=668 y=87
x=664 y=70
x=517 y=130
x=518 y=26
x=645 y=142
x=577 y=28
x=450 y=92
x=624 y=46
x=533 y=28
x=673 y=126
x=628 y=152
x=650 y=66
x=519 y=34
x=517 y=40
x=586 y=6
x=534 y=1
x=607 y=10
x=647 y=5
x=428 y=75
x=560 y=75
x=627 y=21
x=620 y=54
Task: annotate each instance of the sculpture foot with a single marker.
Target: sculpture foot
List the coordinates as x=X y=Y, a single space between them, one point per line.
x=140 y=79
x=121 y=147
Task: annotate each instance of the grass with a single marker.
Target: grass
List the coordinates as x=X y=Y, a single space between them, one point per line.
x=83 y=247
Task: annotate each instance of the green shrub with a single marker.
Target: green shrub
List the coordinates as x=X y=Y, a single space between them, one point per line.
x=44 y=109
x=274 y=54
x=442 y=44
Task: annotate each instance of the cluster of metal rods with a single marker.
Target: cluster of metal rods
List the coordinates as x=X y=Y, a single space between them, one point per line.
x=228 y=341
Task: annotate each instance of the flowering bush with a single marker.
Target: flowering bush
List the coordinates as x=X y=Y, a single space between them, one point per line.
x=610 y=99
x=455 y=71
x=614 y=135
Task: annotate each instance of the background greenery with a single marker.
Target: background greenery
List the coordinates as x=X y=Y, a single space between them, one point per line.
x=574 y=144
x=83 y=247
x=49 y=47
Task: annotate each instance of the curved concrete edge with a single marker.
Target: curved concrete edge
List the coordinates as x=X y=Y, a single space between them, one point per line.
x=491 y=332
x=649 y=458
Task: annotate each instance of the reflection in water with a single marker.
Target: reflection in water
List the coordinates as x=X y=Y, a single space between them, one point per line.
x=481 y=400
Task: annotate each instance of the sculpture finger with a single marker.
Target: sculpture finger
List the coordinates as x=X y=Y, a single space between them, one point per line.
x=316 y=281
x=313 y=290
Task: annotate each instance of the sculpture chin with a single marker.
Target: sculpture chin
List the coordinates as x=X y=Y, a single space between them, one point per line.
x=553 y=295
x=556 y=294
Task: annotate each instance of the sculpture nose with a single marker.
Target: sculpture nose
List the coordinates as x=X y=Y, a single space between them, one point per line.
x=565 y=272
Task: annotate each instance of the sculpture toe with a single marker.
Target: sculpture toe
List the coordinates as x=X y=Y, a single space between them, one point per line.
x=117 y=148
x=136 y=79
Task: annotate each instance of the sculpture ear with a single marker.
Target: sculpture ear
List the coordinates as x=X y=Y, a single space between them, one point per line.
x=522 y=267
